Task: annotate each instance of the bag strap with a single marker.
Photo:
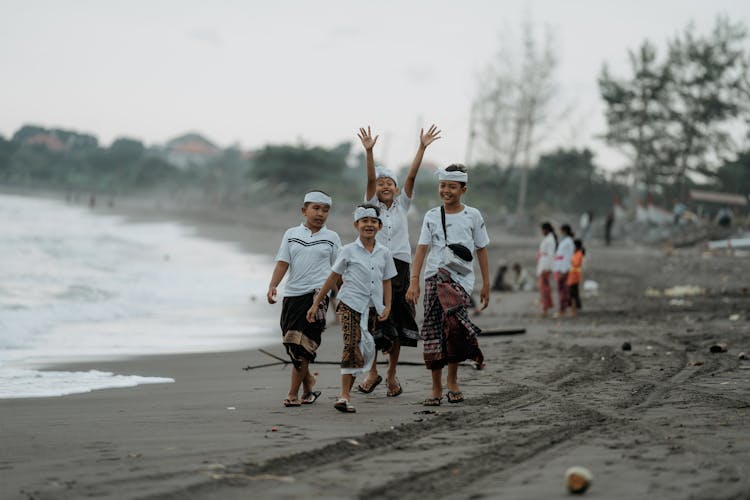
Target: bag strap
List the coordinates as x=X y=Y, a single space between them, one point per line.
x=442 y=218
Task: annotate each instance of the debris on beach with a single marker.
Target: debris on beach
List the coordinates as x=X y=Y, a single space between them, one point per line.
x=680 y=303
x=591 y=287
x=274 y=429
x=718 y=347
x=626 y=346
x=578 y=479
x=231 y=408
x=652 y=292
x=734 y=317
x=743 y=356
x=352 y=442
x=684 y=291
x=696 y=363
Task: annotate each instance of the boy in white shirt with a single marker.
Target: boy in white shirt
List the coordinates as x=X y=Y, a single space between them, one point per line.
x=307 y=251
x=452 y=234
x=366 y=267
x=545 y=261
x=400 y=329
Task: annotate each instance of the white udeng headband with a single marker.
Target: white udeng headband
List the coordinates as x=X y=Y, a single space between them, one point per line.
x=383 y=173
x=317 y=197
x=362 y=212
x=454 y=175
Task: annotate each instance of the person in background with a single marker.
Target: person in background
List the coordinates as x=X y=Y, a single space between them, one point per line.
x=563 y=254
x=545 y=260
x=521 y=280
x=575 y=277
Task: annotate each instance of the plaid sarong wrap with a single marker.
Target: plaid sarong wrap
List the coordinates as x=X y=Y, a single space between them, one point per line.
x=448 y=335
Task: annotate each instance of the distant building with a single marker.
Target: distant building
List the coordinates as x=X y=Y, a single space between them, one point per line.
x=190 y=150
x=48 y=140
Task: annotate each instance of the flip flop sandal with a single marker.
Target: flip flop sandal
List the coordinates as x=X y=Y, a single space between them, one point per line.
x=310 y=397
x=455 y=397
x=432 y=402
x=344 y=406
x=290 y=403
x=372 y=387
x=397 y=392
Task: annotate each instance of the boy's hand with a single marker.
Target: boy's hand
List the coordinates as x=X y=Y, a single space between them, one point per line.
x=484 y=296
x=386 y=313
x=271 y=295
x=310 y=316
x=366 y=137
x=432 y=135
x=412 y=294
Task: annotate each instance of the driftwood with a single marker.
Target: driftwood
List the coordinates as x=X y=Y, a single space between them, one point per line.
x=502 y=331
x=284 y=362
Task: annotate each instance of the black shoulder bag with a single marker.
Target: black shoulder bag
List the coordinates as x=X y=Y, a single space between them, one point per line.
x=458 y=258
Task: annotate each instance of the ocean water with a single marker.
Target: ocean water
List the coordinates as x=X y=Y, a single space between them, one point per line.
x=80 y=286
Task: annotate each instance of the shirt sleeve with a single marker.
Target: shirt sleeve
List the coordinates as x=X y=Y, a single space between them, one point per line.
x=336 y=248
x=425 y=235
x=405 y=201
x=481 y=238
x=339 y=266
x=284 y=255
x=390 y=267
x=372 y=201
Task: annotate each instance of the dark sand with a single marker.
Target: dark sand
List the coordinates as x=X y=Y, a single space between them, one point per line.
x=665 y=420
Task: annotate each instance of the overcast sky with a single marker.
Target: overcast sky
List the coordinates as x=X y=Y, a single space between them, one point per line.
x=283 y=71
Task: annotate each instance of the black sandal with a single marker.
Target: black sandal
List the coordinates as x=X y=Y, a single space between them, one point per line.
x=432 y=401
x=455 y=397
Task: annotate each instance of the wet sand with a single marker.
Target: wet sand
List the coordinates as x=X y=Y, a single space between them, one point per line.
x=667 y=419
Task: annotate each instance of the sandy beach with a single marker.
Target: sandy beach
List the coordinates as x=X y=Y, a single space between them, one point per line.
x=667 y=419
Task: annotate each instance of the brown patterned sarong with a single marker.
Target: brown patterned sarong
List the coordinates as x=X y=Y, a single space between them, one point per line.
x=401 y=324
x=301 y=338
x=448 y=335
x=352 y=356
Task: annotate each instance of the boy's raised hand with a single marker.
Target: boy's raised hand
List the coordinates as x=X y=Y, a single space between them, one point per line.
x=432 y=135
x=366 y=137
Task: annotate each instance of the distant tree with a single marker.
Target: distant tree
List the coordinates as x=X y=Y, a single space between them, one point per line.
x=636 y=115
x=299 y=166
x=512 y=111
x=708 y=97
x=568 y=180
x=126 y=151
x=734 y=177
x=681 y=115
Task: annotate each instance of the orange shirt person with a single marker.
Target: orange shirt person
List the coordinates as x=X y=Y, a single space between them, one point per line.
x=575 y=277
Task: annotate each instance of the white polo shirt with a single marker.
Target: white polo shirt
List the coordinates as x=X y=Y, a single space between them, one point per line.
x=310 y=256
x=363 y=274
x=564 y=252
x=395 y=232
x=466 y=227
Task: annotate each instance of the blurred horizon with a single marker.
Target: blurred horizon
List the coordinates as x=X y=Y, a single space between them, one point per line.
x=257 y=74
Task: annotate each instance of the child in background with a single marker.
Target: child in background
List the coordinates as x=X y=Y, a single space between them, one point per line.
x=400 y=329
x=366 y=267
x=307 y=251
x=563 y=254
x=575 y=276
x=448 y=335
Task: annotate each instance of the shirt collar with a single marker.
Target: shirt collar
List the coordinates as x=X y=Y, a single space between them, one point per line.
x=303 y=226
x=377 y=246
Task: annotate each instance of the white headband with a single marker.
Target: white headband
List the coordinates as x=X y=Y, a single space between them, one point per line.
x=453 y=175
x=383 y=173
x=317 y=197
x=362 y=212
